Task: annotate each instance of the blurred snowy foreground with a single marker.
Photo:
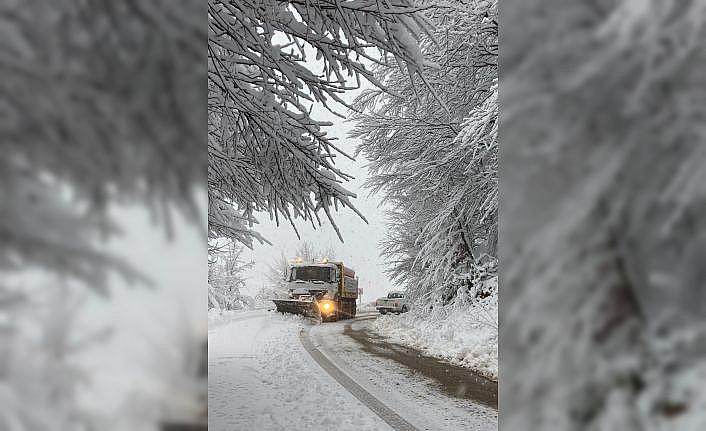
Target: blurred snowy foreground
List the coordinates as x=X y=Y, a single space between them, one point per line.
x=262 y=377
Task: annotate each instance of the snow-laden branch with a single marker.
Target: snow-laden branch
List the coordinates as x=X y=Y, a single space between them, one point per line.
x=269 y=62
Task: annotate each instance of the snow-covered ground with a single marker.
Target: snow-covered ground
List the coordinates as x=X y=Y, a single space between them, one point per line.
x=461 y=336
x=406 y=391
x=262 y=378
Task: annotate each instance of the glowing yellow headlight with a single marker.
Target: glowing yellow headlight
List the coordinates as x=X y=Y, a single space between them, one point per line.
x=326 y=306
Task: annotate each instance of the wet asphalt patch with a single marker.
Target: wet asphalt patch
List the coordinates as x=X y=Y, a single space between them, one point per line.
x=453 y=380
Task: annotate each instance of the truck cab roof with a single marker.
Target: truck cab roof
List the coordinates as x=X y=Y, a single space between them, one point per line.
x=349 y=272
x=320 y=264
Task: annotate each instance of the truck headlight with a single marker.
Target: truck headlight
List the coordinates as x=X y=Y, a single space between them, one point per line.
x=326 y=306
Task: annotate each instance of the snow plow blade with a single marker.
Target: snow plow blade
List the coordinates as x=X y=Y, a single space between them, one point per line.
x=293 y=306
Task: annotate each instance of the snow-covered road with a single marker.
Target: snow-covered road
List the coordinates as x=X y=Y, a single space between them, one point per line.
x=262 y=378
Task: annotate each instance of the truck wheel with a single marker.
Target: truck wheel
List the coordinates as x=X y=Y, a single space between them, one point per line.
x=383 y=312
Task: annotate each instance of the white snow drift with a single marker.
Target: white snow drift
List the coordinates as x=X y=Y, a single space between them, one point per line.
x=463 y=335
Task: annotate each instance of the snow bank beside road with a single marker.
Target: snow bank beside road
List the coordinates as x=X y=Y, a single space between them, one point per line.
x=457 y=335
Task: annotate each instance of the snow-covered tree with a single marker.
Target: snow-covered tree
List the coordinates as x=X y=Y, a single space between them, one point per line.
x=276 y=278
x=604 y=195
x=269 y=61
x=433 y=149
x=226 y=268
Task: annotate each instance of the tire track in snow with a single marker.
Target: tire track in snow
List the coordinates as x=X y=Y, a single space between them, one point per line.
x=397 y=422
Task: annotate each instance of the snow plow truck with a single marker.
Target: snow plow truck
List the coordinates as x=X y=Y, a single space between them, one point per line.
x=328 y=290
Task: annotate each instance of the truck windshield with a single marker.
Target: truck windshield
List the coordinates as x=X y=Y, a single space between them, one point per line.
x=394 y=295
x=311 y=273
